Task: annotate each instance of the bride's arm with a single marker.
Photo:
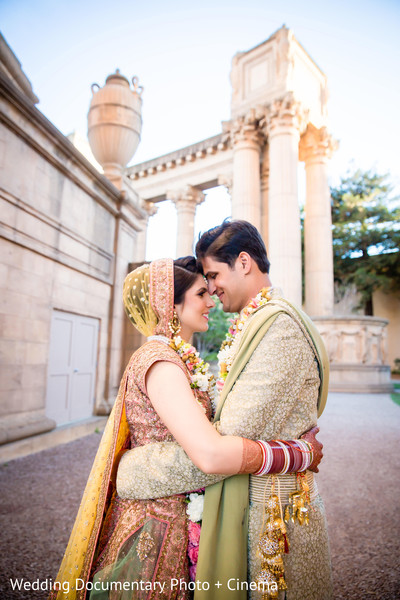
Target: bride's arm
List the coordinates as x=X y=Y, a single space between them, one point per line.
x=163 y=468
x=173 y=399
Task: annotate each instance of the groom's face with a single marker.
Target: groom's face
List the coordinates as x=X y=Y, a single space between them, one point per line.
x=225 y=282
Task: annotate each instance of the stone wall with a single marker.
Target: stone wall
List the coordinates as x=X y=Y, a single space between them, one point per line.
x=63 y=229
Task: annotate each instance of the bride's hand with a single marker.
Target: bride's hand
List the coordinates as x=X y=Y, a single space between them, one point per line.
x=309 y=436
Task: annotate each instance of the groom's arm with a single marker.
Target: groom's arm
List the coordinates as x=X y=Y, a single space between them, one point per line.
x=158 y=470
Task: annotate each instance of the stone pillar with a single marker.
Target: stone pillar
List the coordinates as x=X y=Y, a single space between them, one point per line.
x=315 y=148
x=140 y=253
x=185 y=201
x=130 y=224
x=124 y=249
x=284 y=236
x=264 y=195
x=246 y=198
x=227 y=182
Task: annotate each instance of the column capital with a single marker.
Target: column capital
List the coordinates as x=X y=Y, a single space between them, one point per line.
x=316 y=144
x=226 y=181
x=150 y=208
x=186 y=198
x=286 y=113
x=247 y=129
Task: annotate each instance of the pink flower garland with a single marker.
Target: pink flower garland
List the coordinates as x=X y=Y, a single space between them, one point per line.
x=194 y=530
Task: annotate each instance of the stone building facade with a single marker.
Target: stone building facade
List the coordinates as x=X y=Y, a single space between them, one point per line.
x=67 y=238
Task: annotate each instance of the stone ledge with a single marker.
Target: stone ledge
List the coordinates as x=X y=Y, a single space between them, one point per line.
x=364 y=379
x=361 y=388
x=15 y=427
x=60 y=435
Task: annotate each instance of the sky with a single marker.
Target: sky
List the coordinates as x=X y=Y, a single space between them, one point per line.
x=182 y=51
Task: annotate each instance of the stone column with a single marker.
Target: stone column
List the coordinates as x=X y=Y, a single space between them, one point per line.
x=140 y=253
x=227 y=182
x=130 y=224
x=264 y=195
x=316 y=147
x=185 y=201
x=247 y=140
x=284 y=236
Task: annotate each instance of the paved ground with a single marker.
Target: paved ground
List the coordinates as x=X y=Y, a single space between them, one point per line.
x=359 y=480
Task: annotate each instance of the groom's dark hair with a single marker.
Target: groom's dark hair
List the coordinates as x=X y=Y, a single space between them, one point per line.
x=228 y=240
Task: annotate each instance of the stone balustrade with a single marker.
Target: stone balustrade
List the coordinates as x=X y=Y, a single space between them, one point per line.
x=357 y=350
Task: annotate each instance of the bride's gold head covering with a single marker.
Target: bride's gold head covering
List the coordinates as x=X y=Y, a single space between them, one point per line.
x=148 y=296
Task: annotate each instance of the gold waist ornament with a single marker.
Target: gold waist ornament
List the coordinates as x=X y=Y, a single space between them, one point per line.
x=296 y=491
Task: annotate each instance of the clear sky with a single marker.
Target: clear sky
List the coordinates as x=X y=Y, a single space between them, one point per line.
x=182 y=50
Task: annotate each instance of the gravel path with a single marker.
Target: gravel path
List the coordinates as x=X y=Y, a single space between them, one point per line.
x=359 y=481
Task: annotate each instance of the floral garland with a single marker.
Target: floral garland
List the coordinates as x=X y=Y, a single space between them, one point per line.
x=194 y=511
x=199 y=371
x=229 y=346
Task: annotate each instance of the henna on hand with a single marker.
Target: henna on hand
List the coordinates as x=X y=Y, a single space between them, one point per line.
x=309 y=437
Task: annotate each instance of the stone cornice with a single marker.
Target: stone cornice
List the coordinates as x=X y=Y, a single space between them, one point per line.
x=11 y=66
x=188 y=154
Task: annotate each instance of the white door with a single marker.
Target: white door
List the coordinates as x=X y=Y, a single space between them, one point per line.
x=72 y=367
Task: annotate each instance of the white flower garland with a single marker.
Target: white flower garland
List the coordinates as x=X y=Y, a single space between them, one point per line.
x=195 y=506
x=200 y=376
x=201 y=379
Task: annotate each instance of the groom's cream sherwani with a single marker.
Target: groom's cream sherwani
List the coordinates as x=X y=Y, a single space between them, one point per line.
x=275 y=397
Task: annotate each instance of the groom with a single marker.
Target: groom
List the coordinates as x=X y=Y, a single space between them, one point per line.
x=275 y=386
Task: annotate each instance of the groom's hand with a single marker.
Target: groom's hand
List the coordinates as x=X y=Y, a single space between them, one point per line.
x=309 y=436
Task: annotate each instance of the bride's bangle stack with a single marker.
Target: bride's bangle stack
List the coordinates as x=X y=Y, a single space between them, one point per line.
x=282 y=457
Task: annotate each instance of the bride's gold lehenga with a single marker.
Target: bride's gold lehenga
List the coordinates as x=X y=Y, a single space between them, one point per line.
x=132 y=549
x=145 y=541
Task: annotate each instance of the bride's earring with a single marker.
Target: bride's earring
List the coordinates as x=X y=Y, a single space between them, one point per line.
x=174 y=324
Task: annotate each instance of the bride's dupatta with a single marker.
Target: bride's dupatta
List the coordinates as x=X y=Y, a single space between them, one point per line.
x=75 y=568
x=148 y=296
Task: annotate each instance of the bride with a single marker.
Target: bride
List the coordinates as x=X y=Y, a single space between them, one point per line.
x=123 y=549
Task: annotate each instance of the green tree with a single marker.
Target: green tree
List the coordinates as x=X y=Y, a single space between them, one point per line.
x=366 y=235
x=208 y=342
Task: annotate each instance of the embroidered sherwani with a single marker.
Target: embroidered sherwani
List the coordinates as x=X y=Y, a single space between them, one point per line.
x=275 y=397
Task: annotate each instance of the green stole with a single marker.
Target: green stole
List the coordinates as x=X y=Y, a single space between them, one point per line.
x=224 y=531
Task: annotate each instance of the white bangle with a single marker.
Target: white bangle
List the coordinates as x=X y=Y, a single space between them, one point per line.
x=307 y=454
x=267 y=458
x=287 y=459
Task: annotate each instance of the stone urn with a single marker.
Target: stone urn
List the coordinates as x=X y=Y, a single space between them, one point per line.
x=115 y=123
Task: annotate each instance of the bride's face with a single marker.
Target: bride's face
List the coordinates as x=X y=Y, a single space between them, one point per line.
x=193 y=311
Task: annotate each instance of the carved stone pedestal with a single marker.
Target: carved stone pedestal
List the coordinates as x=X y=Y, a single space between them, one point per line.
x=357 y=349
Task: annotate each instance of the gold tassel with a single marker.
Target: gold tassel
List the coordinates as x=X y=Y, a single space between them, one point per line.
x=273 y=543
x=298 y=507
